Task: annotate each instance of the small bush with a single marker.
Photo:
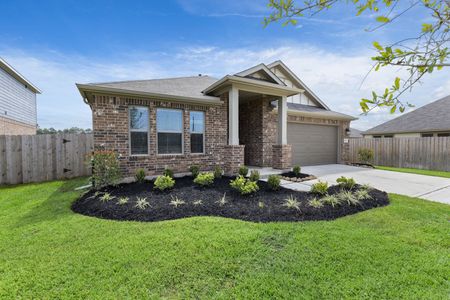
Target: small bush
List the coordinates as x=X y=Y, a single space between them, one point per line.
x=105 y=168
x=195 y=170
x=362 y=195
x=164 y=182
x=316 y=203
x=106 y=197
x=331 y=200
x=274 y=182
x=261 y=204
x=243 y=170
x=296 y=170
x=198 y=202
x=244 y=186
x=254 y=175
x=123 y=200
x=347 y=196
x=320 y=188
x=365 y=155
x=346 y=183
x=218 y=172
x=175 y=202
x=204 y=179
x=168 y=172
x=223 y=200
x=292 y=203
x=366 y=187
x=140 y=175
x=142 y=203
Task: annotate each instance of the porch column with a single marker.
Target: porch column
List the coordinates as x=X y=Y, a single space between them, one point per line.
x=233 y=116
x=282 y=121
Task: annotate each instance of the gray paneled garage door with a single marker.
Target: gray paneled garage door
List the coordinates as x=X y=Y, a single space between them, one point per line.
x=312 y=144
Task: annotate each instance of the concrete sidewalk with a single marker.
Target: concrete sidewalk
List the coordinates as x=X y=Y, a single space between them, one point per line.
x=414 y=185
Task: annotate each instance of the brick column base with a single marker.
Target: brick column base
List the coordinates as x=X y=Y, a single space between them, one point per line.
x=234 y=158
x=281 y=156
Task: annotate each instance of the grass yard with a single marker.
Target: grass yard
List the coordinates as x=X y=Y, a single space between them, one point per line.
x=47 y=251
x=416 y=171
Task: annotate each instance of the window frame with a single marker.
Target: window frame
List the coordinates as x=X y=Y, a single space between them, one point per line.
x=137 y=130
x=203 y=133
x=157 y=131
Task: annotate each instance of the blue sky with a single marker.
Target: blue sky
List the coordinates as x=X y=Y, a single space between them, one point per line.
x=58 y=43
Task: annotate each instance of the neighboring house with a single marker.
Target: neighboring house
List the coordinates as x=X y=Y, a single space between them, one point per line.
x=355 y=133
x=17 y=102
x=427 y=121
x=263 y=116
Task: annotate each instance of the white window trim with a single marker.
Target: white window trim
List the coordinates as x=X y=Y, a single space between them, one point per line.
x=139 y=130
x=203 y=133
x=182 y=133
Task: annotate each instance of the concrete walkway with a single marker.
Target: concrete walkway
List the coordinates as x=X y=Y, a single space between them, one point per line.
x=414 y=185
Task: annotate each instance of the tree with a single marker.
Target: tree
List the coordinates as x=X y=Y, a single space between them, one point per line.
x=52 y=130
x=419 y=55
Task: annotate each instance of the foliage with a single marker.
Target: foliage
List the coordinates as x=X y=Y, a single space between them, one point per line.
x=366 y=187
x=123 y=200
x=365 y=155
x=198 y=202
x=218 y=172
x=292 y=203
x=419 y=55
x=346 y=182
x=243 y=170
x=347 y=196
x=105 y=168
x=106 y=197
x=296 y=170
x=223 y=200
x=316 y=203
x=168 y=172
x=244 y=186
x=164 y=182
x=254 y=175
x=320 y=188
x=142 y=203
x=362 y=194
x=195 y=170
x=175 y=202
x=204 y=178
x=274 y=182
x=52 y=130
x=261 y=204
x=140 y=175
x=331 y=200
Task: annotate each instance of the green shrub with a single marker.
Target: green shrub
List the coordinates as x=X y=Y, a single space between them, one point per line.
x=106 y=197
x=140 y=175
x=142 y=203
x=274 y=182
x=168 y=172
x=254 y=175
x=164 y=182
x=296 y=170
x=320 y=188
x=195 y=170
x=331 y=200
x=204 y=179
x=362 y=195
x=347 y=196
x=198 y=202
x=123 y=200
x=292 y=202
x=243 y=170
x=105 y=168
x=218 y=172
x=365 y=155
x=244 y=186
x=346 y=183
x=222 y=200
x=316 y=203
x=175 y=202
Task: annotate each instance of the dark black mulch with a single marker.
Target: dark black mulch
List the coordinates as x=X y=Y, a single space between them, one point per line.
x=264 y=206
x=364 y=165
x=292 y=175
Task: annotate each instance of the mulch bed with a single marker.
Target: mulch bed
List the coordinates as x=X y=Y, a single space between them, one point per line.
x=362 y=165
x=290 y=176
x=263 y=206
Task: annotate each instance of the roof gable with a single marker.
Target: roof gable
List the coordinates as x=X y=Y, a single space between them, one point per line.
x=261 y=72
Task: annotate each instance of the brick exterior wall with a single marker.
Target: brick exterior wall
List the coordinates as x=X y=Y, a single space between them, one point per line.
x=282 y=156
x=235 y=158
x=12 y=127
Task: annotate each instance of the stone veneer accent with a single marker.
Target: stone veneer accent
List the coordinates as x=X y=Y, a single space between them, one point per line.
x=12 y=127
x=282 y=156
x=235 y=158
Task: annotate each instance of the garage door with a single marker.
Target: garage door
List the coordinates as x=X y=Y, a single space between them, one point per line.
x=312 y=144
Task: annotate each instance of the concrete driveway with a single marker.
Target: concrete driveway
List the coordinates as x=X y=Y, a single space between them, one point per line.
x=421 y=186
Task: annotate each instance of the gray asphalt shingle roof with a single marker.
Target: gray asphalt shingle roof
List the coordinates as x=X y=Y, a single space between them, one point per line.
x=317 y=110
x=431 y=117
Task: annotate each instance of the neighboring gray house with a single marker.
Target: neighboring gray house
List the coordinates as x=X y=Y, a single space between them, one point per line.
x=17 y=102
x=429 y=120
x=355 y=133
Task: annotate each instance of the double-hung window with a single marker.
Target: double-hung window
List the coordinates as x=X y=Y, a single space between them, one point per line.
x=197 y=130
x=169 y=124
x=138 y=116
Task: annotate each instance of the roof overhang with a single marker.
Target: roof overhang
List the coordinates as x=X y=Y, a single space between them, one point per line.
x=251 y=85
x=19 y=77
x=328 y=115
x=86 y=89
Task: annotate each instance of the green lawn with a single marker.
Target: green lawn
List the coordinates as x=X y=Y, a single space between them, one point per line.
x=416 y=171
x=46 y=251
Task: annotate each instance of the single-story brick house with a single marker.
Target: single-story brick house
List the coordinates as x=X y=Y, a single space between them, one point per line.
x=263 y=116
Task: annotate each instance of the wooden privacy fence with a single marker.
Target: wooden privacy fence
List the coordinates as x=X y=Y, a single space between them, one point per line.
x=36 y=158
x=432 y=153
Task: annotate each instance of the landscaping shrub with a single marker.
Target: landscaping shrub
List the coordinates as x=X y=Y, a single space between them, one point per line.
x=106 y=197
x=218 y=172
x=292 y=202
x=320 y=188
x=296 y=170
x=243 y=170
x=331 y=200
x=123 y=200
x=254 y=175
x=175 y=202
x=142 y=203
x=345 y=182
x=316 y=203
x=195 y=170
x=204 y=179
x=347 y=196
x=362 y=195
x=140 y=175
x=164 y=182
x=365 y=155
x=274 y=182
x=222 y=200
x=244 y=186
x=105 y=169
x=168 y=172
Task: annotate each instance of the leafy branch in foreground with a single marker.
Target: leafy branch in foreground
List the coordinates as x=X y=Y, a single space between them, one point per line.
x=419 y=55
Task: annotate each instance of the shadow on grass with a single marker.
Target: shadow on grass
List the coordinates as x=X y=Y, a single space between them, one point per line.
x=57 y=205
